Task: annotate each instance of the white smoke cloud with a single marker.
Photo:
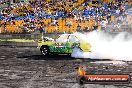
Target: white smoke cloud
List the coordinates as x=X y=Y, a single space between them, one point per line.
x=106 y=46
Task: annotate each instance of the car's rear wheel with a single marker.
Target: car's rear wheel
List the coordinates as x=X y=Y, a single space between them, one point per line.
x=45 y=50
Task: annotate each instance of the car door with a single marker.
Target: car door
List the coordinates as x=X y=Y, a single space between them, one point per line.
x=61 y=44
x=73 y=40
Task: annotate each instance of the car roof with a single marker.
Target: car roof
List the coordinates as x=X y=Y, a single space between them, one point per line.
x=72 y=34
x=69 y=34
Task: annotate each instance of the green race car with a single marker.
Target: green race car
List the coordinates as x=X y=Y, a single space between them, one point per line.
x=63 y=45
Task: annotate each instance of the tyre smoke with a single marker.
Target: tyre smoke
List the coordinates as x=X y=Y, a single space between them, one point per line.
x=115 y=46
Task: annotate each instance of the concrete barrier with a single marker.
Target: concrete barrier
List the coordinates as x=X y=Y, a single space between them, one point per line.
x=26 y=36
x=19 y=44
x=23 y=36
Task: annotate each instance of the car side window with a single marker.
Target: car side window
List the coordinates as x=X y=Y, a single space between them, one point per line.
x=62 y=38
x=73 y=38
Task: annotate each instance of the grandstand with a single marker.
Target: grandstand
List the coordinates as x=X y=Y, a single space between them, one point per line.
x=61 y=16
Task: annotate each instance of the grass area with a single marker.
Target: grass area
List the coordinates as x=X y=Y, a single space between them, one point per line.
x=16 y=40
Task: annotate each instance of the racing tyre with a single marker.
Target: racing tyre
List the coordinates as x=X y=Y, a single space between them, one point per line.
x=45 y=50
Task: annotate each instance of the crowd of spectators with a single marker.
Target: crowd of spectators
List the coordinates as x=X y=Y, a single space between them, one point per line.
x=34 y=11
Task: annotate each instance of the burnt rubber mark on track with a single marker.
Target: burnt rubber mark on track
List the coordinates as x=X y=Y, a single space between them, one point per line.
x=47 y=72
x=51 y=57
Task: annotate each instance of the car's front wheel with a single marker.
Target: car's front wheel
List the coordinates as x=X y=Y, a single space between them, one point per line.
x=45 y=50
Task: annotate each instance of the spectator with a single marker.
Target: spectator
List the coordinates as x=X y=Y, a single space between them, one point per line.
x=39 y=9
x=103 y=24
x=68 y=23
x=117 y=12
